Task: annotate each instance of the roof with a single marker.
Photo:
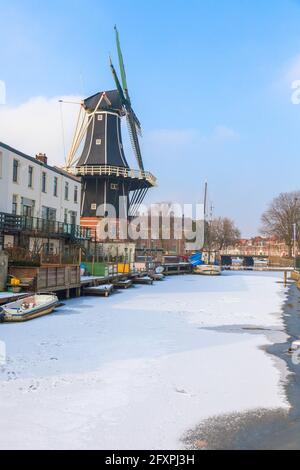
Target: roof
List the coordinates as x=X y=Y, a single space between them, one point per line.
x=112 y=95
x=37 y=162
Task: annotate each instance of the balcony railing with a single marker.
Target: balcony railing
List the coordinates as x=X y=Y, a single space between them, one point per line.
x=10 y=222
x=108 y=170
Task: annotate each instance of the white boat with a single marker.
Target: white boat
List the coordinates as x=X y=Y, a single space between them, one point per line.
x=28 y=308
x=295 y=346
x=208 y=270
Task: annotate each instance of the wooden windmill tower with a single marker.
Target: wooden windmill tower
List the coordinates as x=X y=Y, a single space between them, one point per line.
x=102 y=165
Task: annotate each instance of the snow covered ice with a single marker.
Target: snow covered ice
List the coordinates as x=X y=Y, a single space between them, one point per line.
x=140 y=368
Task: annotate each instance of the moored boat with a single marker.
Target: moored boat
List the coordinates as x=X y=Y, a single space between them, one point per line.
x=208 y=270
x=143 y=280
x=104 y=290
x=157 y=277
x=28 y=308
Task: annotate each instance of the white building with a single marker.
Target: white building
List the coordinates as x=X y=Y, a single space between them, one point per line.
x=47 y=197
x=30 y=187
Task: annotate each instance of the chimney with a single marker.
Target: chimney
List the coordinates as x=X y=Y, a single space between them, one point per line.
x=42 y=157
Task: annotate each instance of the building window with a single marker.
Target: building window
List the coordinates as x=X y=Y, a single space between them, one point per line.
x=27 y=207
x=98 y=141
x=15 y=170
x=44 y=182
x=100 y=117
x=30 y=176
x=76 y=194
x=66 y=216
x=55 y=189
x=73 y=217
x=15 y=205
x=48 y=248
x=48 y=213
x=67 y=191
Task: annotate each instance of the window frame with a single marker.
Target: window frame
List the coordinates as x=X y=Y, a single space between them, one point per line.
x=16 y=167
x=14 y=203
x=76 y=194
x=30 y=176
x=67 y=188
x=44 y=180
x=55 y=186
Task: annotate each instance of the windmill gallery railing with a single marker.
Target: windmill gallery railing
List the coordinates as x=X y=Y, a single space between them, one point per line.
x=108 y=170
x=19 y=223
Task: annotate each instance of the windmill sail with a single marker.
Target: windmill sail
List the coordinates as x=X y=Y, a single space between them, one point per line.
x=122 y=67
x=134 y=125
x=135 y=140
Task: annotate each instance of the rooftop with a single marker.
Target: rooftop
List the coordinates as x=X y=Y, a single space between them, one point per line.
x=37 y=162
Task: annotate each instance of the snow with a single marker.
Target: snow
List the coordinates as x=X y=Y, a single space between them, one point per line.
x=8 y=295
x=140 y=368
x=91 y=278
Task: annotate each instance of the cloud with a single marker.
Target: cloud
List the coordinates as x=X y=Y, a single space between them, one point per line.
x=36 y=126
x=225 y=133
x=292 y=70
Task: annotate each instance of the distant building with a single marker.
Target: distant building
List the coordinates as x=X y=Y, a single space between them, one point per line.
x=258 y=246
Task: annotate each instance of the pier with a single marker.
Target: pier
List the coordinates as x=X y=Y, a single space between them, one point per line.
x=171 y=269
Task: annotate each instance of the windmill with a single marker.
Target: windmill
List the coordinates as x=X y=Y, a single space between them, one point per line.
x=102 y=165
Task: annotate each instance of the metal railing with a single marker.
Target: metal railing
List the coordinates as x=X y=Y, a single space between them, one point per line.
x=108 y=170
x=10 y=222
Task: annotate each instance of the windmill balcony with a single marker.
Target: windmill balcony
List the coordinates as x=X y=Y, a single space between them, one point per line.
x=108 y=170
x=49 y=228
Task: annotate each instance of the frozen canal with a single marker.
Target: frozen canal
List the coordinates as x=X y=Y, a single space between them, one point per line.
x=139 y=369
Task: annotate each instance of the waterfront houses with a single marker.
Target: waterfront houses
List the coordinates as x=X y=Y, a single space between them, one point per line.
x=39 y=206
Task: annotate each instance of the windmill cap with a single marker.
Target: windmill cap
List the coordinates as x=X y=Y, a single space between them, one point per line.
x=112 y=96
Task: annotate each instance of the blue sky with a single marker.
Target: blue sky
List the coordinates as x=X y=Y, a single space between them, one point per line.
x=210 y=81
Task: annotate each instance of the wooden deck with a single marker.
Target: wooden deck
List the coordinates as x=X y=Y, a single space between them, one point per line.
x=66 y=280
x=49 y=278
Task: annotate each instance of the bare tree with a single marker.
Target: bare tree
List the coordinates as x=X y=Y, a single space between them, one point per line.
x=280 y=217
x=221 y=233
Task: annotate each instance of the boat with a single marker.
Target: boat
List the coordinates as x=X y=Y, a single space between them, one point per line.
x=157 y=276
x=123 y=284
x=295 y=346
x=104 y=290
x=143 y=280
x=208 y=270
x=204 y=263
x=208 y=261
x=29 y=307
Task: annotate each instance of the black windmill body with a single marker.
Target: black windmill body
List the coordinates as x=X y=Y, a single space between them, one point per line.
x=105 y=173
